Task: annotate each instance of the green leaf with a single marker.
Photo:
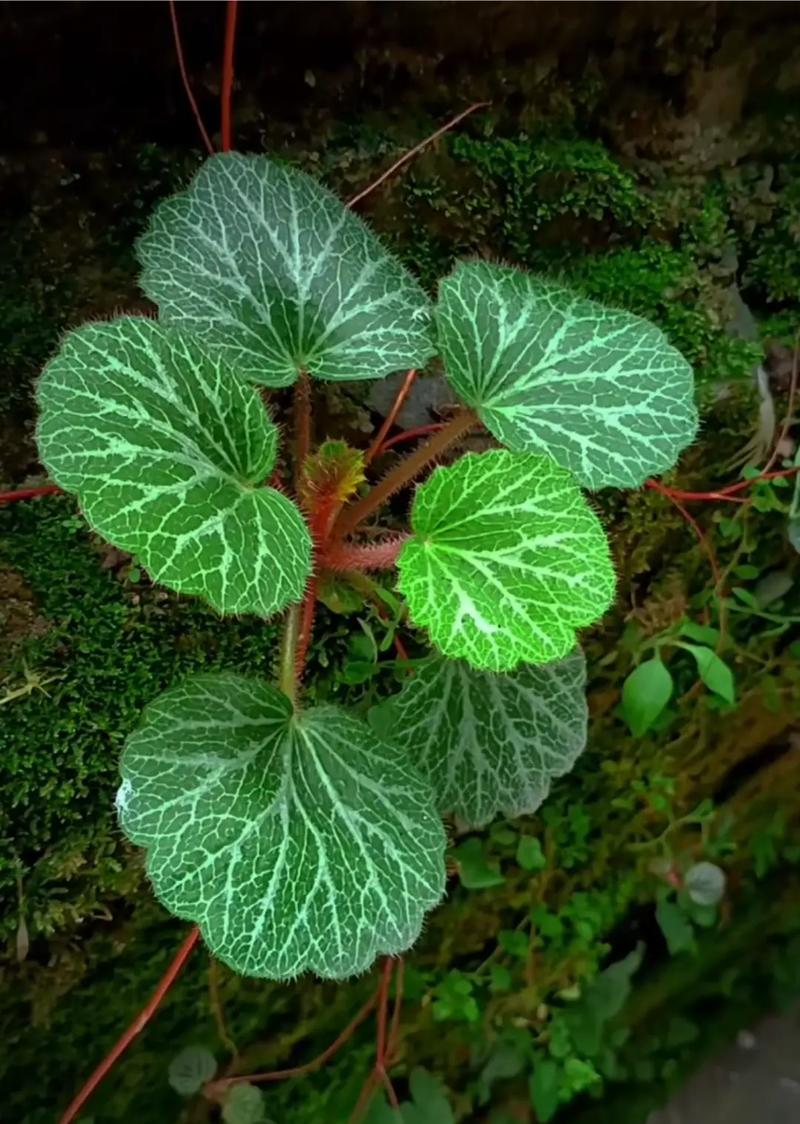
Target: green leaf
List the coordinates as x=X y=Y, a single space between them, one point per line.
x=514 y=942
x=243 y=1104
x=167 y=453
x=705 y=883
x=529 y=853
x=603 y=999
x=645 y=693
x=676 y=927
x=474 y=870
x=297 y=841
x=191 y=1069
x=601 y=391
x=430 y=1105
x=489 y=743
x=714 y=672
x=261 y=261
x=545 y=1088
x=507 y=560
x=702 y=633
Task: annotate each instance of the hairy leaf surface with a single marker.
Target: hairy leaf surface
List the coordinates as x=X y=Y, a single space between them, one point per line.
x=601 y=391
x=260 y=260
x=298 y=842
x=507 y=560
x=165 y=451
x=489 y=743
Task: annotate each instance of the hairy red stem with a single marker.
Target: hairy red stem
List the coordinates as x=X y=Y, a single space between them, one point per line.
x=341 y=556
x=451 y=124
x=29 y=493
x=404 y=472
x=390 y=418
x=306 y=626
x=227 y=75
x=176 y=35
x=136 y=1027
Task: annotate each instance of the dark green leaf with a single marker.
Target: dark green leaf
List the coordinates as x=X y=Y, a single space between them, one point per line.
x=676 y=927
x=545 y=1088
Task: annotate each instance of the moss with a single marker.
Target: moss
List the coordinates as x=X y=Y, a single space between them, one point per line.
x=111 y=644
x=773 y=271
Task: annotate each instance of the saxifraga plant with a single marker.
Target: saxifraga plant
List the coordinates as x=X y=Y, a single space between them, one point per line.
x=308 y=837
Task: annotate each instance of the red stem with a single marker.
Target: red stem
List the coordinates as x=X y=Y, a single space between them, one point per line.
x=227 y=75
x=176 y=35
x=136 y=1027
x=405 y=471
x=411 y=435
x=342 y=556
x=29 y=493
x=727 y=493
x=383 y=1011
x=306 y=626
x=451 y=124
x=214 y=1087
x=698 y=530
x=302 y=426
x=390 y=418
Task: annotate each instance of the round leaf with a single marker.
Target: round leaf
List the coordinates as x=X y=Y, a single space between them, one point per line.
x=191 y=1069
x=243 y=1104
x=261 y=261
x=601 y=391
x=705 y=883
x=167 y=453
x=645 y=693
x=489 y=743
x=507 y=560
x=297 y=841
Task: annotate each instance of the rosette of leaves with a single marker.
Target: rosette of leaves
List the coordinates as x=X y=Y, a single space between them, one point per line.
x=306 y=837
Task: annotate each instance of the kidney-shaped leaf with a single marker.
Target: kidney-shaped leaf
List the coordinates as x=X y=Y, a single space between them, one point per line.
x=507 y=560
x=601 y=391
x=165 y=451
x=260 y=260
x=297 y=841
x=489 y=743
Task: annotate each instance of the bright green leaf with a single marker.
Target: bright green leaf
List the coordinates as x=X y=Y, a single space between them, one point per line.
x=507 y=560
x=714 y=672
x=489 y=743
x=529 y=853
x=261 y=261
x=545 y=1088
x=167 y=454
x=243 y=1104
x=601 y=391
x=191 y=1069
x=645 y=693
x=297 y=841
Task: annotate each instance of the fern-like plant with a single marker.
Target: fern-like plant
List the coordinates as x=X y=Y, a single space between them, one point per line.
x=306 y=837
